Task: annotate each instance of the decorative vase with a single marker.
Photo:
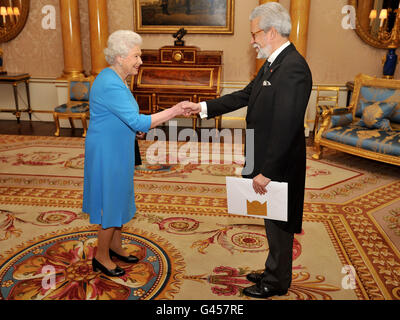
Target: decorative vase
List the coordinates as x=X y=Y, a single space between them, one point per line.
x=390 y=64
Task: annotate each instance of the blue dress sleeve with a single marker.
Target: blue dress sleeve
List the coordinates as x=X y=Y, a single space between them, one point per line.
x=122 y=103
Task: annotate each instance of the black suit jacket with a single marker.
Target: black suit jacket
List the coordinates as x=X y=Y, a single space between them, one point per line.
x=277 y=101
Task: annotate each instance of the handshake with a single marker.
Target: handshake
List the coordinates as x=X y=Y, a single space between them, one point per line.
x=186 y=108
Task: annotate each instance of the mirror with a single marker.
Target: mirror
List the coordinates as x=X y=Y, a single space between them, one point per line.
x=13 y=16
x=378 y=22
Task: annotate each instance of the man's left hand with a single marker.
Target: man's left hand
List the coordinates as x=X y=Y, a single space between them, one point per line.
x=260 y=183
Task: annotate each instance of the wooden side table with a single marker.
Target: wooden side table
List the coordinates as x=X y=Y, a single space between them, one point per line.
x=14 y=79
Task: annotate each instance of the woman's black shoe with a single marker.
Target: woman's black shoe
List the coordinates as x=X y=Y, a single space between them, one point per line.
x=117 y=272
x=129 y=259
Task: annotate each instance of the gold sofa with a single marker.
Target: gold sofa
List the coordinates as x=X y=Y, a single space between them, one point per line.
x=369 y=127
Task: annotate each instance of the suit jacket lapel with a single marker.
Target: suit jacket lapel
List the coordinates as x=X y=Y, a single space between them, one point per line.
x=282 y=55
x=264 y=77
x=274 y=66
x=269 y=73
x=277 y=62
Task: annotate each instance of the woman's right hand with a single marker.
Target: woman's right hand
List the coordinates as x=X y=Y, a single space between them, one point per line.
x=180 y=110
x=186 y=108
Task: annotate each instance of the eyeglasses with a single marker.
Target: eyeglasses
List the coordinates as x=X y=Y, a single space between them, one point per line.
x=253 y=34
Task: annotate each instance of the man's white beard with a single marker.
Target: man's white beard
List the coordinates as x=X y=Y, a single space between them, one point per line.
x=263 y=53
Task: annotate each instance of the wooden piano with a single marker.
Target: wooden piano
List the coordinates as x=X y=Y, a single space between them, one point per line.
x=175 y=73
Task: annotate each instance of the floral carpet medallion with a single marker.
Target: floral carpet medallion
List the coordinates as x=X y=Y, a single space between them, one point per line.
x=60 y=268
x=189 y=247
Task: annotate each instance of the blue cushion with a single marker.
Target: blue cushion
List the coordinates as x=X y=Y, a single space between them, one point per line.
x=79 y=90
x=80 y=108
x=395 y=117
x=381 y=141
x=375 y=94
x=341 y=120
x=375 y=114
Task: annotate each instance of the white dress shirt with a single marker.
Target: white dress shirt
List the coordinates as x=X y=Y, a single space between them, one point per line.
x=203 y=113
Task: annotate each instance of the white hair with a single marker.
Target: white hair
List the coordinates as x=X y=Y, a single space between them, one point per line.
x=120 y=43
x=273 y=14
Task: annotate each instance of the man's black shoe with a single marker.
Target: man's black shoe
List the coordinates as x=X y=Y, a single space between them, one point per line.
x=254 y=277
x=257 y=291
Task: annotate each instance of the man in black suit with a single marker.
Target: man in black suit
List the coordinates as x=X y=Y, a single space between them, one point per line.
x=277 y=100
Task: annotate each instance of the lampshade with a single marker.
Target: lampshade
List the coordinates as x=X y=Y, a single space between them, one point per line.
x=383 y=14
x=16 y=11
x=10 y=11
x=373 y=14
x=3 y=11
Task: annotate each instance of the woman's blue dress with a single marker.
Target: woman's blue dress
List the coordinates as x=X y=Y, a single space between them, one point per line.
x=108 y=195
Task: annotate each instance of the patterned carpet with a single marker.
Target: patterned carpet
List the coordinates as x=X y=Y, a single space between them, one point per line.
x=190 y=248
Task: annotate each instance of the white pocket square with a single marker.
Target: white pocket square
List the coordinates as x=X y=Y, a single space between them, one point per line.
x=266 y=83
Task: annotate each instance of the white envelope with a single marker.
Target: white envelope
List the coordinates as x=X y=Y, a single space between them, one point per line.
x=242 y=199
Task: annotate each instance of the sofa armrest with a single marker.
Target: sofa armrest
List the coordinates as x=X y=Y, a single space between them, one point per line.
x=328 y=111
x=342 y=110
x=331 y=117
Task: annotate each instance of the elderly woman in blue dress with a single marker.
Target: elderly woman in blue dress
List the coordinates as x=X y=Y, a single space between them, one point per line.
x=108 y=195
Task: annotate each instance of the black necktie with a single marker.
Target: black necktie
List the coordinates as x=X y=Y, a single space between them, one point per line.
x=267 y=66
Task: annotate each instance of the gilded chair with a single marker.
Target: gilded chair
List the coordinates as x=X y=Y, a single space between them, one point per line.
x=77 y=106
x=327 y=97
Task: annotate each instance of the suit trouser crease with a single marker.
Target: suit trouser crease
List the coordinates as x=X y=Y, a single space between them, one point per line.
x=278 y=266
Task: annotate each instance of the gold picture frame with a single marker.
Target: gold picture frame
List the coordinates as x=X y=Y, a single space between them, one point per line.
x=196 y=16
x=12 y=24
x=363 y=26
